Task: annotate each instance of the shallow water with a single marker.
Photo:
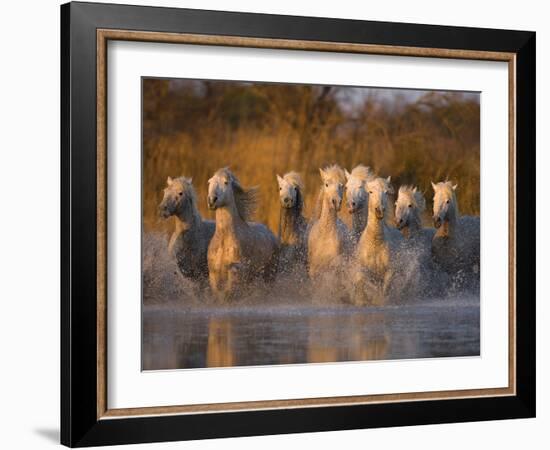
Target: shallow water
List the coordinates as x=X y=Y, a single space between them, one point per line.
x=179 y=337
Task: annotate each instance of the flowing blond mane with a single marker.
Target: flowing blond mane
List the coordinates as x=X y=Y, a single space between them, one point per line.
x=246 y=199
x=415 y=194
x=332 y=173
x=295 y=180
x=362 y=172
x=335 y=173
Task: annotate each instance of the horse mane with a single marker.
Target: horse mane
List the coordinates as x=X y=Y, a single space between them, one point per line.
x=246 y=199
x=416 y=194
x=376 y=181
x=295 y=179
x=362 y=172
x=188 y=188
x=335 y=173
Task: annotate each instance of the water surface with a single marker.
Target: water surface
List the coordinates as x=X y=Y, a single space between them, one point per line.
x=181 y=337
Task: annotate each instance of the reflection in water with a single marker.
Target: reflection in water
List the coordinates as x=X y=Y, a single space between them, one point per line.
x=219 y=352
x=356 y=337
x=177 y=338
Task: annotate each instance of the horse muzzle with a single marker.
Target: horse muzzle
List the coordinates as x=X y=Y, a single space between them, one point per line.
x=400 y=224
x=287 y=203
x=353 y=208
x=163 y=212
x=379 y=213
x=211 y=202
x=437 y=221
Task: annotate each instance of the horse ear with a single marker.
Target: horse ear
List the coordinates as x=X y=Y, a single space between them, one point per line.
x=279 y=179
x=322 y=172
x=454 y=187
x=414 y=190
x=169 y=181
x=388 y=179
x=433 y=185
x=347 y=174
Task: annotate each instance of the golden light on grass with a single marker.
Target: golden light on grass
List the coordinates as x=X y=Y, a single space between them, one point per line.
x=193 y=128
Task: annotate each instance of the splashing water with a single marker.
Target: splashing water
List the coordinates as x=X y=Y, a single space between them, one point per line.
x=293 y=321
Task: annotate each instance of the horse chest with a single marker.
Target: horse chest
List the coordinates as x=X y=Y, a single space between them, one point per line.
x=445 y=252
x=224 y=251
x=375 y=257
x=185 y=241
x=326 y=248
x=190 y=253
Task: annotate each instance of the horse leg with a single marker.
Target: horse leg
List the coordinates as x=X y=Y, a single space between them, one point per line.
x=216 y=286
x=358 y=294
x=385 y=287
x=234 y=278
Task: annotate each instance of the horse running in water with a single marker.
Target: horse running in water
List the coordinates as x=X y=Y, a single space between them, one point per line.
x=376 y=249
x=455 y=245
x=414 y=265
x=357 y=199
x=190 y=239
x=239 y=251
x=293 y=226
x=328 y=238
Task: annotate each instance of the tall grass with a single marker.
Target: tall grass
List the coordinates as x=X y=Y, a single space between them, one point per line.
x=193 y=128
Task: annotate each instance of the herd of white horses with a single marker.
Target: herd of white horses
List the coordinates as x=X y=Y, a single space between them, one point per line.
x=231 y=253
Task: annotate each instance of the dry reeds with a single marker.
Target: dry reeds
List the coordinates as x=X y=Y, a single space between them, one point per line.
x=193 y=128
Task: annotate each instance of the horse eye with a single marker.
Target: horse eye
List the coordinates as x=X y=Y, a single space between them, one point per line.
x=370 y=192
x=410 y=206
x=280 y=188
x=448 y=202
x=326 y=184
x=225 y=182
x=180 y=194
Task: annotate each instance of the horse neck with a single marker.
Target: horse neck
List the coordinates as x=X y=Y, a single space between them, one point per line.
x=414 y=227
x=291 y=219
x=328 y=215
x=448 y=227
x=188 y=219
x=374 y=231
x=228 y=219
x=359 y=221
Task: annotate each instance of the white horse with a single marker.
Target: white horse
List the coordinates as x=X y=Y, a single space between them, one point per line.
x=376 y=248
x=190 y=239
x=239 y=251
x=357 y=198
x=455 y=245
x=413 y=266
x=328 y=238
x=293 y=226
x=409 y=207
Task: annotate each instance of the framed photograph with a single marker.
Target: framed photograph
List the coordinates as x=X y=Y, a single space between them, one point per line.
x=276 y=224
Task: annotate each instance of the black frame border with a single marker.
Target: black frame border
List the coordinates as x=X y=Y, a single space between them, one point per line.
x=79 y=423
